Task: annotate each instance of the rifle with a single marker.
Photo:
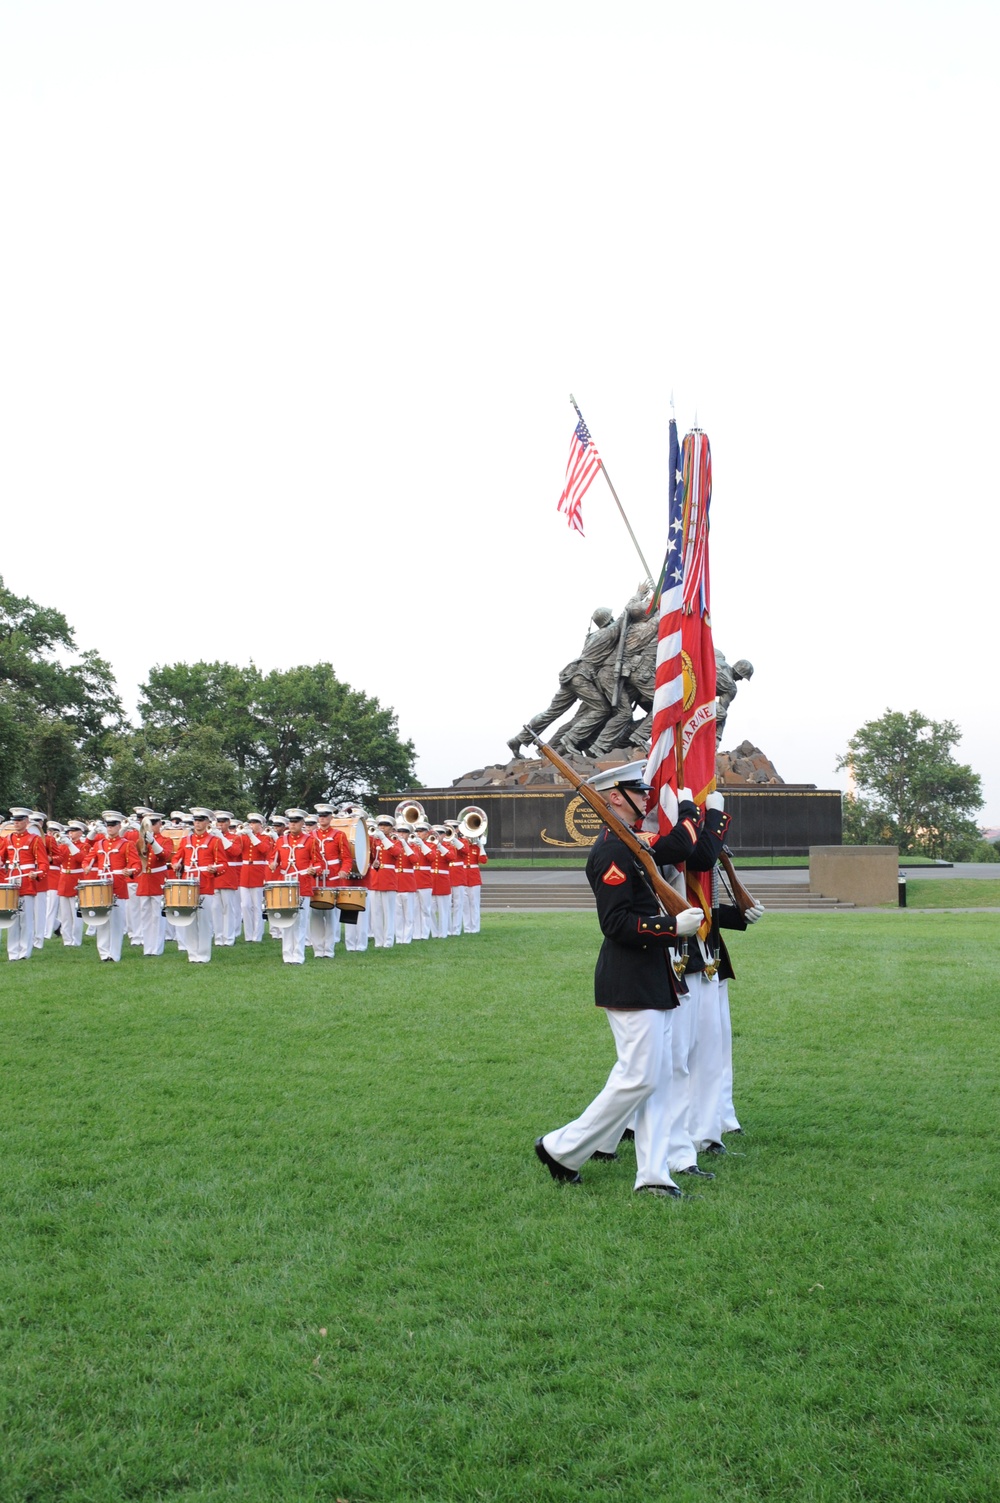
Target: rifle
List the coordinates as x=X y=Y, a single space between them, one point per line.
x=668 y=900
x=620 y=661
x=741 y=897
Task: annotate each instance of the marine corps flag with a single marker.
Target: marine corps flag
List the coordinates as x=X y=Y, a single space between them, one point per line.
x=697 y=651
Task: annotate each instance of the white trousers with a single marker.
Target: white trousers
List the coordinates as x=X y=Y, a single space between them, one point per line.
x=356 y=935
x=198 y=935
x=51 y=913
x=707 y=1065
x=405 y=902
x=323 y=932
x=422 y=914
x=70 y=926
x=229 y=915
x=39 y=936
x=111 y=934
x=252 y=911
x=383 y=918
x=639 y=1083
x=133 y=915
x=21 y=934
x=457 y=909
x=213 y=907
x=154 y=925
x=681 y=1150
x=440 y=915
x=293 y=939
x=730 y=1121
x=473 y=898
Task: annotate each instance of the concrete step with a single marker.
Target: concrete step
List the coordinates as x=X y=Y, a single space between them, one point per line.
x=567 y=897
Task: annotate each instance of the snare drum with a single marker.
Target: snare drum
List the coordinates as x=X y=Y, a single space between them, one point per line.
x=181 y=900
x=282 y=903
x=10 y=903
x=96 y=900
x=323 y=898
x=352 y=899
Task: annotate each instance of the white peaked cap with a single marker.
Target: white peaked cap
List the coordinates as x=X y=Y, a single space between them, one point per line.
x=629 y=775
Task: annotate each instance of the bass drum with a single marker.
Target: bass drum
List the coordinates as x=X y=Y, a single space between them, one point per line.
x=356 y=830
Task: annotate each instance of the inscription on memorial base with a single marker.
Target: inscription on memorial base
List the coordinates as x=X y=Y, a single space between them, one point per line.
x=582 y=826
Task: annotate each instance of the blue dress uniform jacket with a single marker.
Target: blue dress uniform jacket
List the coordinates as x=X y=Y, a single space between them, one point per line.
x=634 y=968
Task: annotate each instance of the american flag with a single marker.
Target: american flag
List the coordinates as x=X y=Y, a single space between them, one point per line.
x=581 y=467
x=668 y=696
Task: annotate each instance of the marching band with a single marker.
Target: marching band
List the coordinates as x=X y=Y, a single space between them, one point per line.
x=198 y=879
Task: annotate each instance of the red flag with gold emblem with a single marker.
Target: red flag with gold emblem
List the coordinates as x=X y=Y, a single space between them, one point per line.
x=697 y=648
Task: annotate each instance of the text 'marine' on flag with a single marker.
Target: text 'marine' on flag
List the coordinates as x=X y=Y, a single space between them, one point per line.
x=697 y=650
x=698 y=750
x=668 y=695
x=581 y=467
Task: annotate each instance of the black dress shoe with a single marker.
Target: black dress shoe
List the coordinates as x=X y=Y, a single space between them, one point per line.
x=717 y=1148
x=604 y=1158
x=693 y=1169
x=557 y=1170
x=665 y=1192
x=628 y=1136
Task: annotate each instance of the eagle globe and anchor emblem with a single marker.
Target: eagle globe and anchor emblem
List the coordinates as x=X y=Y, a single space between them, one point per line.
x=583 y=825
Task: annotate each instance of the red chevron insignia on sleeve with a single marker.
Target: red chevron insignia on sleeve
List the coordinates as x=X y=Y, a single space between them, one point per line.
x=614 y=876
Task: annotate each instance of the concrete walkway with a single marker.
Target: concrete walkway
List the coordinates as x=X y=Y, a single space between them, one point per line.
x=757 y=878
x=780 y=889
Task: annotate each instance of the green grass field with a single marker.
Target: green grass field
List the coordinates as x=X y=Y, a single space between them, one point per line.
x=278 y=1233
x=953 y=892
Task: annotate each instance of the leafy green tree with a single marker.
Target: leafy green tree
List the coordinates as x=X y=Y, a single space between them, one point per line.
x=911 y=792
x=57 y=719
x=292 y=736
x=194 y=771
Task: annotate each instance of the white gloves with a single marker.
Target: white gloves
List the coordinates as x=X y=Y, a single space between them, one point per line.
x=715 y=801
x=753 y=914
x=688 y=922
x=684 y=796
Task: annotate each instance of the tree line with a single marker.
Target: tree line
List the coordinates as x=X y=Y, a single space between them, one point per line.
x=911 y=792
x=213 y=733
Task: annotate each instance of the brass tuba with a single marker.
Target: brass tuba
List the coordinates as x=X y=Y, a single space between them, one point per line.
x=410 y=811
x=472 y=822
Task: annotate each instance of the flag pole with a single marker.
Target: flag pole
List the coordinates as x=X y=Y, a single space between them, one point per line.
x=604 y=471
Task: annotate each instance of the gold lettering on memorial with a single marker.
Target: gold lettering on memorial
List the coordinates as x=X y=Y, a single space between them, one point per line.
x=582 y=825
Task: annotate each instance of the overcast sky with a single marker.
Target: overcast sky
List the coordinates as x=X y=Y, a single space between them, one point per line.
x=293 y=296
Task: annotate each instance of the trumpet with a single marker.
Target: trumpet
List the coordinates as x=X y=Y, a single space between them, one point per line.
x=472 y=822
x=410 y=811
